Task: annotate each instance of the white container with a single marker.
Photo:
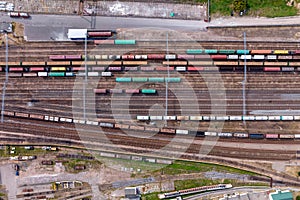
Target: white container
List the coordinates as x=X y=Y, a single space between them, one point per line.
x=178 y=131
x=261 y=118
x=181 y=69
x=42 y=74
x=233 y=57
x=259 y=57
x=108 y=74
x=287 y=118
x=156 y=117
x=235 y=118
x=274 y=118
x=271 y=57
x=142 y=117
x=170 y=57
x=248 y=118
x=196 y=118
x=169 y=117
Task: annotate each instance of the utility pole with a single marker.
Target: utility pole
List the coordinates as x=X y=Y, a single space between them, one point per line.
x=6 y=77
x=245 y=78
x=167 y=79
x=208 y=10
x=85 y=77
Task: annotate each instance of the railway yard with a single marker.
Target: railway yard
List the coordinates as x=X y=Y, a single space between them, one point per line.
x=109 y=96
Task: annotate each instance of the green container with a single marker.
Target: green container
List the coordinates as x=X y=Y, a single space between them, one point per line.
x=139 y=79
x=124 y=41
x=148 y=91
x=210 y=51
x=226 y=51
x=56 y=74
x=173 y=80
x=123 y=79
x=160 y=80
x=194 y=51
x=241 y=51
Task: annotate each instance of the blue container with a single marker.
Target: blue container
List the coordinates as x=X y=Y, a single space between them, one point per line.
x=256 y=136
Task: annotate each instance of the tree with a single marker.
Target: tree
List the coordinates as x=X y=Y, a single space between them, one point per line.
x=298 y=198
x=240 y=6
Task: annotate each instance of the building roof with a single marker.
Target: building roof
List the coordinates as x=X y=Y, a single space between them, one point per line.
x=281 y=195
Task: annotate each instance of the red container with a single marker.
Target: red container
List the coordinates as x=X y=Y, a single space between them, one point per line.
x=104 y=42
x=194 y=69
x=15 y=69
x=37 y=69
x=99 y=34
x=78 y=68
x=272 y=69
x=218 y=57
x=297 y=52
x=167 y=130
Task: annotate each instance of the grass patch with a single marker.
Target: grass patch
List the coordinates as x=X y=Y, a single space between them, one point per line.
x=187 y=167
x=71 y=163
x=263 y=8
x=151 y=196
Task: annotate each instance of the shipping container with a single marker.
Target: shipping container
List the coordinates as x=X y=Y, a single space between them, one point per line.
x=258 y=57
x=261 y=118
x=116 y=91
x=57 y=57
x=242 y=51
x=173 y=80
x=225 y=134
x=142 y=117
x=218 y=57
x=247 y=57
x=15 y=69
x=148 y=68
x=281 y=52
x=122 y=126
x=156 y=56
x=128 y=57
x=286 y=136
x=272 y=69
x=287 y=69
x=195 y=69
x=106 y=74
x=207 y=133
x=164 y=68
x=272 y=136
x=185 y=132
x=156 y=79
x=56 y=74
x=167 y=130
x=125 y=42
x=169 y=117
x=170 y=56
x=106 y=124
x=148 y=91
x=256 y=136
x=73 y=57
x=185 y=57
x=235 y=118
x=222 y=118
x=182 y=118
x=100 y=91
x=274 y=118
x=132 y=91
x=139 y=79
x=29 y=74
x=286 y=118
x=115 y=68
x=104 y=42
x=123 y=79
x=181 y=69
x=261 y=52
x=241 y=135
x=210 y=51
x=194 y=51
x=99 y=34
x=232 y=57
x=131 y=69
x=271 y=57
x=195 y=118
x=226 y=51
x=57 y=69
x=37 y=69
x=156 y=117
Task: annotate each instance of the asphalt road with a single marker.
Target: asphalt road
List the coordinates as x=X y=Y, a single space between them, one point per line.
x=44 y=27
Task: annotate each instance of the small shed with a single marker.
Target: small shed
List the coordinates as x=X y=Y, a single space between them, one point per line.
x=77 y=34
